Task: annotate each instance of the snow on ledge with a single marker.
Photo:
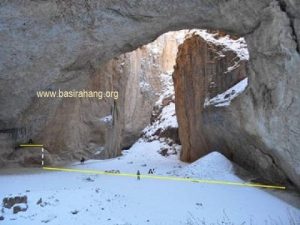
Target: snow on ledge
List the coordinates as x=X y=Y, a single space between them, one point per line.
x=226 y=97
x=106 y=119
x=239 y=46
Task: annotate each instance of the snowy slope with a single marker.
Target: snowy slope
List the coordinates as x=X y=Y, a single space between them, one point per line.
x=167 y=118
x=78 y=198
x=225 y=98
x=213 y=166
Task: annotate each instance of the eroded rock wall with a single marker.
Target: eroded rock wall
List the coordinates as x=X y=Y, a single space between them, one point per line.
x=203 y=70
x=71 y=128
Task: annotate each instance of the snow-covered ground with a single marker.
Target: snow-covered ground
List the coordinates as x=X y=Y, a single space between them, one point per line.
x=77 y=198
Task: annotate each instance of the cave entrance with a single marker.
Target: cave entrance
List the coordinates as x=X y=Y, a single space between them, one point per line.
x=210 y=72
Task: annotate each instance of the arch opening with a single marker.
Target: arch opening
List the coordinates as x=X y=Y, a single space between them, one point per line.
x=69 y=44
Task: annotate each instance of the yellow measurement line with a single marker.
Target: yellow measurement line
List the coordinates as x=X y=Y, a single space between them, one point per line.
x=167 y=178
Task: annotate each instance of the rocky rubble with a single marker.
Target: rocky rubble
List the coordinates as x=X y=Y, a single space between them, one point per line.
x=17 y=203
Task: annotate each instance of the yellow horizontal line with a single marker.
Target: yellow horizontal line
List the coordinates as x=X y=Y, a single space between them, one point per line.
x=167 y=178
x=30 y=145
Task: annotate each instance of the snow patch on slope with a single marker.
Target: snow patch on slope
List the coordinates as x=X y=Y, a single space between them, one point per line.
x=106 y=119
x=167 y=88
x=226 y=97
x=167 y=119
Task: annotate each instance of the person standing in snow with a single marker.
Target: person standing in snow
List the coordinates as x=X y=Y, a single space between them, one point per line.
x=150 y=171
x=138 y=174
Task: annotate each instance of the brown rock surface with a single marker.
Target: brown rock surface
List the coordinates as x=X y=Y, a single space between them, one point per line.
x=201 y=72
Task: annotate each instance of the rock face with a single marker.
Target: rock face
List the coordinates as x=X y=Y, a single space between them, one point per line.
x=203 y=70
x=94 y=127
x=87 y=126
x=234 y=130
x=61 y=44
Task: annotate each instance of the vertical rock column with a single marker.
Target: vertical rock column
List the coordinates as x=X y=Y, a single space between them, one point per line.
x=190 y=81
x=201 y=72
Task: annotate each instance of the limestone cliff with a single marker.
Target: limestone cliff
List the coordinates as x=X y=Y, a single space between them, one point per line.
x=71 y=128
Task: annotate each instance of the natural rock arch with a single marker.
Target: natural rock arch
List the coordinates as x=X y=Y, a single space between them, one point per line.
x=57 y=44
